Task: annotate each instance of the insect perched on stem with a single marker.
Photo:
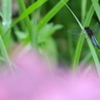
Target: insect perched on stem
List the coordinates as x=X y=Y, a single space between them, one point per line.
x=92 y=37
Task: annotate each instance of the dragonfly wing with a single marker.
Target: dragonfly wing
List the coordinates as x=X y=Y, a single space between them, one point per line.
x=96 y=27
x=75 y=32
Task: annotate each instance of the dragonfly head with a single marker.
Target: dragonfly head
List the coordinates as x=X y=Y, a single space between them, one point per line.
x=88 y=31
x=86 y=28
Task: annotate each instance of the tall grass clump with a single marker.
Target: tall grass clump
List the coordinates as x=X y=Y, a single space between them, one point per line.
x=36 y=23
x=95 y=7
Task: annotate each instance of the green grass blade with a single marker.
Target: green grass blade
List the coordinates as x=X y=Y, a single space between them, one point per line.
x=51 y=13
x=3 y=18
x=27 y=23
x=89 y=16
x=83 y=9
x=5 y=54
x=81 y=39
x=7 y=19
x=75 y=18
x=79 y=45
x=96 y=8
x=96 y=59
x=7 y=14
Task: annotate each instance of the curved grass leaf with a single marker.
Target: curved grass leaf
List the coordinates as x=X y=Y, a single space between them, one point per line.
x=51 y=13
x=96 y=8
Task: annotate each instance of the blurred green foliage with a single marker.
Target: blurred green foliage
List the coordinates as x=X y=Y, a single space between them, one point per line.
x=43 y=25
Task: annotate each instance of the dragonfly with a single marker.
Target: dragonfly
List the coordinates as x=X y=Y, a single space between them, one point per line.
x=89 y=32
x=92 y=37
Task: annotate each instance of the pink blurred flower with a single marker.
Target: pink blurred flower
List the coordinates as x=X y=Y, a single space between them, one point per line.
x=35 y=80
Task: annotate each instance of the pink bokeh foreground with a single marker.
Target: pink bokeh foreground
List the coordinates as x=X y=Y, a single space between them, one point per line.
x=35 y=79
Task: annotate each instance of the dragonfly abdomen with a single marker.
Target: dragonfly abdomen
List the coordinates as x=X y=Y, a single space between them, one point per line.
x=94 y=41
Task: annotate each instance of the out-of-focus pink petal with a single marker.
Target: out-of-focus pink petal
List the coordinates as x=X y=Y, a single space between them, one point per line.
x=33 y=62
x=36 y=82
